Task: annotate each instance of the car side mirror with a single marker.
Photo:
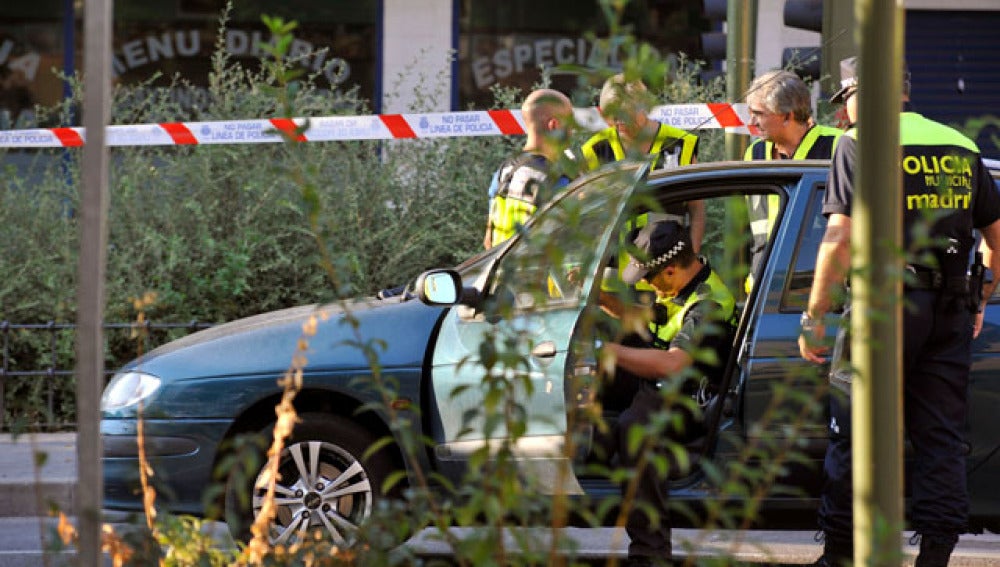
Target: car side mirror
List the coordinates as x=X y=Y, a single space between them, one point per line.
x=444 y=288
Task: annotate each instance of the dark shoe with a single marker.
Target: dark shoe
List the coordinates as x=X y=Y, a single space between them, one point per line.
x=646 y=561
x=836 y=553
x=935 y=550
x=828 y=561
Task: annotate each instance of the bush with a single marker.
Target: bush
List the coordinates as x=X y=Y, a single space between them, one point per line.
x=220 y=232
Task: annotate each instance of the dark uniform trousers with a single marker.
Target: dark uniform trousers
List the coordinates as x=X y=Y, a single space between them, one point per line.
x=649 y=537
x=937 y=355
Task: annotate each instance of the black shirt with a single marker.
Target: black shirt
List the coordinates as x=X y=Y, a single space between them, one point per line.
x=946 y=188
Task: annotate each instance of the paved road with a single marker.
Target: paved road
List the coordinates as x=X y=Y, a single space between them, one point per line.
x=27 y=492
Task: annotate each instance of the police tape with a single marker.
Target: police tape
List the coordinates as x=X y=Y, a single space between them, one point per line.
x=732 y=117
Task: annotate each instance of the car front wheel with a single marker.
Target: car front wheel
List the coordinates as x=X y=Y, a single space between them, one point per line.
x=323 y=483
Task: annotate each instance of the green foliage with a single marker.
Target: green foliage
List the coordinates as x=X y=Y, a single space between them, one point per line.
x=220 y=232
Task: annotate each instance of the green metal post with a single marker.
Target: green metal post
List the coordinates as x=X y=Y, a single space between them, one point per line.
x=741 y=39
x=876 y=287
x=839 y=41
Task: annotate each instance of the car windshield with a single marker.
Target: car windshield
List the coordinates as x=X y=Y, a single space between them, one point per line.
x=553 y=260
x=594 y=194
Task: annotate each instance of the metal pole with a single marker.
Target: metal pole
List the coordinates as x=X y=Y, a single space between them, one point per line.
x=90 y=275
x=876 y=394
x=69 y=46
x=741 y=39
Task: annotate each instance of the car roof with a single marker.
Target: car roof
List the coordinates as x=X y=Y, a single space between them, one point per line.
x=993 y=165
x=754 y=169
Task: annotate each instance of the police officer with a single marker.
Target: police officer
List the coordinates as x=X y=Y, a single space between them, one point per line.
x=631 y=133
x=780 y=106
x=664 y=257
x=523 y=183
x=946 y=186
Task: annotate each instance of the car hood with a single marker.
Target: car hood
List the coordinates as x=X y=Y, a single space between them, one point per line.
x=399 y=333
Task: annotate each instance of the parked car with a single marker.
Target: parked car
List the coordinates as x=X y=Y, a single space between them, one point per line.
x=201 y=392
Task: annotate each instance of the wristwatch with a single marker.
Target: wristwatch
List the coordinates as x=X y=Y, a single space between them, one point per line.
x=809 y=324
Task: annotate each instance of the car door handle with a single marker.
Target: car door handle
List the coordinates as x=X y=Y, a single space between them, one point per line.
x=545 y=349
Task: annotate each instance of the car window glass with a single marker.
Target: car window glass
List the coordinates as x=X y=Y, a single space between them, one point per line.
x=996 y=290
x=726 y=235
x=804 y=259
x=548 y=265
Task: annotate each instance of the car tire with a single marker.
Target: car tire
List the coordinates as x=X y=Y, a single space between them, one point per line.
x=338 y=494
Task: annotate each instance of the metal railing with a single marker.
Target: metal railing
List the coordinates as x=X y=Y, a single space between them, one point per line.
x=60 y=367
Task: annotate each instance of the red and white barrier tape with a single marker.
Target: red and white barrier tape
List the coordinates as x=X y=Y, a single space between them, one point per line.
x=733 y=117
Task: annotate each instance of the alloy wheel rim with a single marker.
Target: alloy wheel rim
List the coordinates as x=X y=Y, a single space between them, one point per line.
x=322 y=490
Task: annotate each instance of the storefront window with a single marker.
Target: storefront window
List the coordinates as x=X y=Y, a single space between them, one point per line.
x=31 y=44
x=505 y=42
x=334 y=40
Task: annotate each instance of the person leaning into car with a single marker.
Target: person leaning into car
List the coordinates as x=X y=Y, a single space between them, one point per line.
x=938 y=324
x=665 y=259
x=631 y=133
x=780 y=106
x=523 y=183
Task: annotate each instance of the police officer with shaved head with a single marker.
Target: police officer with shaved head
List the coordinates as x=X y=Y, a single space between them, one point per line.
x=525 y=182
x=947 y=193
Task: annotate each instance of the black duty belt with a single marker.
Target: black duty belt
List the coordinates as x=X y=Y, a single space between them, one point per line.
x=920 y=279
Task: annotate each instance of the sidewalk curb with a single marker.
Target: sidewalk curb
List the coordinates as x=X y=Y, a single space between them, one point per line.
x=37 y=474
x=21 y=497
x=37 y=499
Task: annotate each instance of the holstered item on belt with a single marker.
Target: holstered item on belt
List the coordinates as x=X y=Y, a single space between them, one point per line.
x=977 y=279
x=920 y=278
x=925 y=279
x=841 y=371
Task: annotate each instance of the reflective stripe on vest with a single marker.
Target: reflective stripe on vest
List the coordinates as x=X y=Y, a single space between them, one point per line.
x=681 y=151
x=712 y=288
x=763 y=209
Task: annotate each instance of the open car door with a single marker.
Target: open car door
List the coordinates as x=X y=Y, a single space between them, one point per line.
x=503 y=352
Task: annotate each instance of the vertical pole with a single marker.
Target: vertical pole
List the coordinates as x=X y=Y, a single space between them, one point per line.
x=839 y=42
x=876 y=394
x=69 y=70
x=741 y=38
x=741 y=41
x=69 y=46
x=90 y=275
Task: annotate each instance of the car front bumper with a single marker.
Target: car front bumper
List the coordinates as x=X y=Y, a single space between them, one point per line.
x=181 y=453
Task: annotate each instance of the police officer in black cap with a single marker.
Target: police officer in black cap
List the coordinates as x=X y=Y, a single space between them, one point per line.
x=662 y=255
x=948 y=191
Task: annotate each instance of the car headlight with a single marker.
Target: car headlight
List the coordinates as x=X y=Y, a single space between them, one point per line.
x=127 y=389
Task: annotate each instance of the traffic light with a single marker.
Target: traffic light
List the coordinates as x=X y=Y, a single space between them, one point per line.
x=713 y=43
x=732 y=41
x=834 y=20
x=805 y=15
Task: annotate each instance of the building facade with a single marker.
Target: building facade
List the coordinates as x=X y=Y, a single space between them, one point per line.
x=453 y=51
x=439 y=55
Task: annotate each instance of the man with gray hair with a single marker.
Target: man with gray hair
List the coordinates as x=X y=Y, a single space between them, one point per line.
x=780 y=106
